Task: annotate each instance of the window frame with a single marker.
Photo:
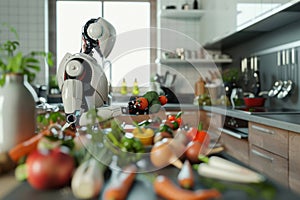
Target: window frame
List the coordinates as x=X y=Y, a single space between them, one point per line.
x=52 y=28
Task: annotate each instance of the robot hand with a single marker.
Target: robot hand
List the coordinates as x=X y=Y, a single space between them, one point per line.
x=81 y=78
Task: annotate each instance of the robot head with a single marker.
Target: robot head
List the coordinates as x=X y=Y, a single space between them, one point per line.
x=99 y=33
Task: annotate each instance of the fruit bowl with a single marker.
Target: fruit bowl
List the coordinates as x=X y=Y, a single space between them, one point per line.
x=254 y=101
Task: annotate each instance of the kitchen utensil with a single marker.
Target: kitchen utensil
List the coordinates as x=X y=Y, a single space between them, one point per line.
x=288 y=83
x=278 y=84
x=254 y=101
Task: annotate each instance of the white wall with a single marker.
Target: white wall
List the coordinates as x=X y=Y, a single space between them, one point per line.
x=28 y=18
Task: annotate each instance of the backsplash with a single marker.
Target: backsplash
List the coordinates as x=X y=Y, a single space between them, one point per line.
x=268 y=61
x=28 y=18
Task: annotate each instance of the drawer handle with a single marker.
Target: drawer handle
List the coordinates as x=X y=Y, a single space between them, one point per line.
x=255 y=152
x=232 y=133
x=264 y=130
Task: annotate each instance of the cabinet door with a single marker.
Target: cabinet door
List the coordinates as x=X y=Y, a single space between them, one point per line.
x=236 y=147
x=274 y=166
x=270 y=138
x=294 y=161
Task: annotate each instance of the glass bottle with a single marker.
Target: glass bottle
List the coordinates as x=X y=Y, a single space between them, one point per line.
x=124 y=87
x=135 y=88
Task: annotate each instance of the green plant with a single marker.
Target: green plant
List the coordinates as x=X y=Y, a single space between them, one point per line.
x=12 y=60
x=230 y=75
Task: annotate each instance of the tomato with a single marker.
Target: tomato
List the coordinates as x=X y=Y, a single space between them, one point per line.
x=179 y=121
x=171 y=117
x=163 y=99
x=141 y=103
x=47 y=169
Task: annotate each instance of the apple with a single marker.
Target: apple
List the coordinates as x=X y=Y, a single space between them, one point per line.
x=49 y=169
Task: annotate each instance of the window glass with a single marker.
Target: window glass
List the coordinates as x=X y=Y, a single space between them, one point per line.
x=71 y=17
x=125 y=16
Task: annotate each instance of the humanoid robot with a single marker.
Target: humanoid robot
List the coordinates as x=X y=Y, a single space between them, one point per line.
x=81 y=77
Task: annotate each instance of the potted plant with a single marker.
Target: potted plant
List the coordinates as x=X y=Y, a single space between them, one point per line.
x=17 y=105
x=13 y=61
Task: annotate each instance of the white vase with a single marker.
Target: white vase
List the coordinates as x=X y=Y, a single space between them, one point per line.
x=17 y=112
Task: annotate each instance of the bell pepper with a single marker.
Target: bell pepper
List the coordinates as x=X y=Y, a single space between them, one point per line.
x=198 y=134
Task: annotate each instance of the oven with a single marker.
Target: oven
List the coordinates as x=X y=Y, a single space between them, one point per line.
x=235 y=127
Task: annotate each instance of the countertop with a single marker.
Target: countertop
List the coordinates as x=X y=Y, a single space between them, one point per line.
x=143 y=189
x=287 y=121
x=11 y=189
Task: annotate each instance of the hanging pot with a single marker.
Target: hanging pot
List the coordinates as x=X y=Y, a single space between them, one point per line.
x=17 y=112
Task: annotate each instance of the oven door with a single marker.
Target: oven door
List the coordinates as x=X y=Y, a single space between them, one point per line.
x=240 y=133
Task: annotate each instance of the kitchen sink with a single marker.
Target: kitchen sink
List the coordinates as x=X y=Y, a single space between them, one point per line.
x=267 y=111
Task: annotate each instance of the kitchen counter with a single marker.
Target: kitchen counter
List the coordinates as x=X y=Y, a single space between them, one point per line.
x=286 y=121
x=142 y=188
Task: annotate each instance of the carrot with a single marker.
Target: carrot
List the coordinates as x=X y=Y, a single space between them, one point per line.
x=165 y=188
x=24 y=148
x=120 y=186
x=185 y=177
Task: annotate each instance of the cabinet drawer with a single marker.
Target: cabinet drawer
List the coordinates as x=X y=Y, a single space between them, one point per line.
x=294 y=161
x=237 y=148
x=274 y=166
x=272 y=139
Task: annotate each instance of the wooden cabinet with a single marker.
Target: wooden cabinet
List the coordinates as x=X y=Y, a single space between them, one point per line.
x=294 y=161
x=273 y=139
x=268 y=151
x=273 y=165
x=236 y=147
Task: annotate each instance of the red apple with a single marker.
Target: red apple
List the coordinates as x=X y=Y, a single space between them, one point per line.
x=48 y=169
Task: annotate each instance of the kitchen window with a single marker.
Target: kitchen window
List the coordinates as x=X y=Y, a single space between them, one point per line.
x=126 y=16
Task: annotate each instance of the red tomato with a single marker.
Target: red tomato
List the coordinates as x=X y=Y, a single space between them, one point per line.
x=142 y=103
x=179 y=120
x=171 y=118
x=47 y=169
x=163 y=99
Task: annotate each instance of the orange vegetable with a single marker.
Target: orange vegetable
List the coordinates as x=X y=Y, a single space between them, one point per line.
x=120 y=186
x=199 y=135
x=185 y=176
x=25 y=147
x=165 y=188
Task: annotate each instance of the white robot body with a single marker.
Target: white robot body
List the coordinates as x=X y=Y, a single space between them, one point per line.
x=82 y=79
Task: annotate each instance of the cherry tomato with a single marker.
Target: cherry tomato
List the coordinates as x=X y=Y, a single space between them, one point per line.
x=171 y=118
x=163 y=99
